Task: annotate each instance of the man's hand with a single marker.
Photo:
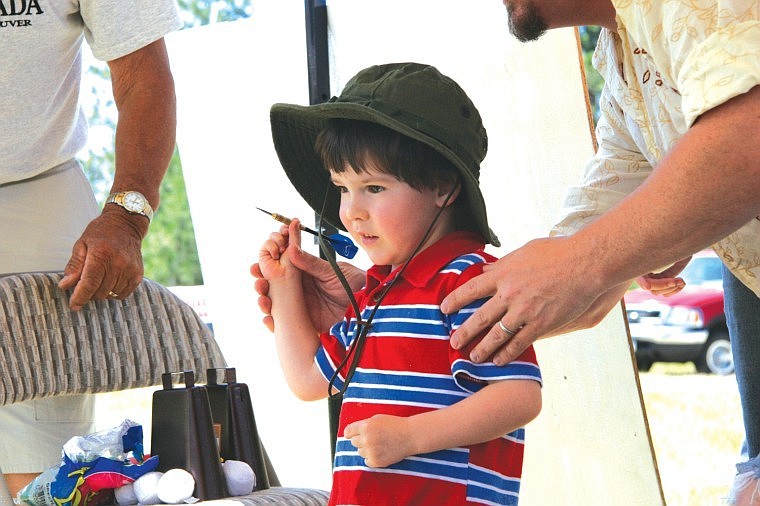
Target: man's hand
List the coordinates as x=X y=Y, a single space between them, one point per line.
x=381 y=440
x=325 y=296
x=537 y=291
x=106 y=259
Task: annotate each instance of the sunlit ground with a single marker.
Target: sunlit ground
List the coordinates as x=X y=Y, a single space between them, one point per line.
x=696 y=426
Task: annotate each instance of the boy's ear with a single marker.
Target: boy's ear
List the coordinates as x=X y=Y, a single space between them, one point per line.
x=444 y=189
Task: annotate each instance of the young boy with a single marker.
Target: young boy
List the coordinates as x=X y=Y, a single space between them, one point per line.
x=395 y=161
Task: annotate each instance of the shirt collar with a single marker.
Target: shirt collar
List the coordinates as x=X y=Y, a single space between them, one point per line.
x=427 y=263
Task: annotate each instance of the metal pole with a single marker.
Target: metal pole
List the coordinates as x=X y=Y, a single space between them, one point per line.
x=318 y=61
x=317 y=55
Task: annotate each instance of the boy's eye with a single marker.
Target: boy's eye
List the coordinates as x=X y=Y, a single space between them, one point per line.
x=341 y=189
x=375 y=189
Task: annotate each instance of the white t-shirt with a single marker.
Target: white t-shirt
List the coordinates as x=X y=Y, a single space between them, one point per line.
x=668 y=63
x=41 y=60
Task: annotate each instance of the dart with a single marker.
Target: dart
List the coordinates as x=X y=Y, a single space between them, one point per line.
x=342 y=245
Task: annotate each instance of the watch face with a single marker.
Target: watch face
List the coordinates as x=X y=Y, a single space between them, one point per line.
x=134 y=202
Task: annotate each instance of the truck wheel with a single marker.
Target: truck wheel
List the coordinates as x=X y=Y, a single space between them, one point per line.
x=716 y=356
x=644 y=364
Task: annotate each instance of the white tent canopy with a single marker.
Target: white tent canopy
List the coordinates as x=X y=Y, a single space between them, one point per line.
x=590 y=445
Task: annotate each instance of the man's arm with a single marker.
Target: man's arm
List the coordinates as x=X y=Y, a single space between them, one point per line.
x=107 y=258
x=704 y=189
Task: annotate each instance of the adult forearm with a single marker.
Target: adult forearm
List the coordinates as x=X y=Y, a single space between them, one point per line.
x=145 y=139
x=145 y=133
x=704 y=189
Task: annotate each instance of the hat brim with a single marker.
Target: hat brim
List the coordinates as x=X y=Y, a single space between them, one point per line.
x=295 y=129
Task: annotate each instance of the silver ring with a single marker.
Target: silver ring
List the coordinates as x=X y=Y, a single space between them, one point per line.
x=508 y=331
x=116 y=295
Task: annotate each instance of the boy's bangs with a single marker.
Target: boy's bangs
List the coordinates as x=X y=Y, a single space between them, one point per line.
x=347 y=143
x=365 y=146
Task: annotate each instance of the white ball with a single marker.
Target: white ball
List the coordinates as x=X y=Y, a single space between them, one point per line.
x=175 y=486
x=146 y=487
x=239 y=476
x=125 y=495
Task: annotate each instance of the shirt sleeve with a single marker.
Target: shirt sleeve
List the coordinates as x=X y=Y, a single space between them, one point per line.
x=115 y=28
x=710 y=50
x=617 y=168
x=470 y=376
x=724 y=65
x=332 y=352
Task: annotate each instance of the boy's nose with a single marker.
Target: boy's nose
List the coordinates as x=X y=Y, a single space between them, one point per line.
x=353 y=208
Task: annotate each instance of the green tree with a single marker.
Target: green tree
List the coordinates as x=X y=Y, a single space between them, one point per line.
x=203 y=12
x=594 y=82
x=169 y=250
x=170 y=255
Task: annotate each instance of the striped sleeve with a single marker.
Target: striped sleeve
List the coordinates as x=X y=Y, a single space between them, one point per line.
x=332 y=350
x=471 y=376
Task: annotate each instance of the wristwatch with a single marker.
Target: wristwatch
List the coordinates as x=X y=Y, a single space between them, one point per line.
x=134 y=202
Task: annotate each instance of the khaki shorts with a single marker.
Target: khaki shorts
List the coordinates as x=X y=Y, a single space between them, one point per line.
x=44 y=216
x=34 y=432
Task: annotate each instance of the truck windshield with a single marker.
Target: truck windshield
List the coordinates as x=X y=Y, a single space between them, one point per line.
x=702 y=270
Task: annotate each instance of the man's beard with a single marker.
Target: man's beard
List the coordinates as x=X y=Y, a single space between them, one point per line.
x=527 y=24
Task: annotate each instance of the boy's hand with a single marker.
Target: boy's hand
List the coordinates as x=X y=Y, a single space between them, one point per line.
x=274 y=262
x=664 y=283
x=381 y=440
x=326 y=299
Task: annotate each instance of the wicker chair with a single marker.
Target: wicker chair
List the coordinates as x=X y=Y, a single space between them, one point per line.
x=46 y=349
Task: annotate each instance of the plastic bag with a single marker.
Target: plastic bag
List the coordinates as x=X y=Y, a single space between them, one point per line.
x=745 y=490
x=91 y=467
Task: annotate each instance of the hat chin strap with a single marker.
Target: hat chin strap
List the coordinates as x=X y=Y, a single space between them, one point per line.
x=335 y=400
x=355 y=350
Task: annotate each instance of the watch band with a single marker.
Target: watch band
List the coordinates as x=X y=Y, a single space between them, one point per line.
x=133 y=202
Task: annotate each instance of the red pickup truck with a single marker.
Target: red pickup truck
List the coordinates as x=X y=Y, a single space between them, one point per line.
x=689 y=326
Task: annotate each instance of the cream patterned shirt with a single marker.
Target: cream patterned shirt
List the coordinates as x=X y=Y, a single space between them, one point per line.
x=669 y=62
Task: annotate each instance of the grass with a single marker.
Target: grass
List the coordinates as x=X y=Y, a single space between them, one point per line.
x=697 y=432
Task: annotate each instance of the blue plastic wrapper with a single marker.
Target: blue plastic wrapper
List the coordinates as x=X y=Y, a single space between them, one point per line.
x=91 y=467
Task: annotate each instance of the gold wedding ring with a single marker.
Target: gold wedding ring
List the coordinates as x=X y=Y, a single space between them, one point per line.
x=115 y=295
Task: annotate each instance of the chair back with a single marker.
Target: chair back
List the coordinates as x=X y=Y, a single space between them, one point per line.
x=46 y=349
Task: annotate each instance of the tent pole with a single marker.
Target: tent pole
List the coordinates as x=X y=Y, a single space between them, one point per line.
x=317 y=51
x=318 y=63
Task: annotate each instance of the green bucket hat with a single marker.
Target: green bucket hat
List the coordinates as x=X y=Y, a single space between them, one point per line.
x=413 y=99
